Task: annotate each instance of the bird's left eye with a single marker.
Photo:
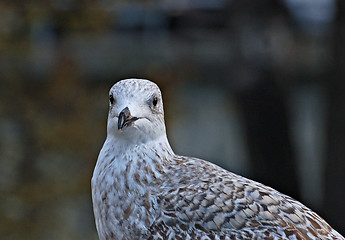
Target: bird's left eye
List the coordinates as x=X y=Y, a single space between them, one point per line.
x=154 y=101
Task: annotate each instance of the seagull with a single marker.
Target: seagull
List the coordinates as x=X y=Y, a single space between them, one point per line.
x=141 y=189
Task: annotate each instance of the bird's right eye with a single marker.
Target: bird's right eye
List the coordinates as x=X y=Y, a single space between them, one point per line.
x=111 y=99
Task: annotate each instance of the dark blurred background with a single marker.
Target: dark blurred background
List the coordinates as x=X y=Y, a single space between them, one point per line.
x=254 y=86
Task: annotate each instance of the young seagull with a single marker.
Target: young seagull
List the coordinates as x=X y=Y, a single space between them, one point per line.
x=142 y=190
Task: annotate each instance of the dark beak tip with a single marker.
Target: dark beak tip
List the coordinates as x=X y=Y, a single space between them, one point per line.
x=125 y=119
x=121 y=120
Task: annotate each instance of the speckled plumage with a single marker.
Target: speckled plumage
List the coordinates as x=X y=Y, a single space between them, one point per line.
x=142 y=190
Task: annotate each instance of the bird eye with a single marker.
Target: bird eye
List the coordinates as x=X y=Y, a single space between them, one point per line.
x=154 y=101
x=111 y=99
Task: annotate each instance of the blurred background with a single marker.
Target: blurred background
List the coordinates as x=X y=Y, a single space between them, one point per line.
x=254 y=86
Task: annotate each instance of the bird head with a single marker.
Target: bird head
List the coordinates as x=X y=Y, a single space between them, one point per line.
x=135 y=111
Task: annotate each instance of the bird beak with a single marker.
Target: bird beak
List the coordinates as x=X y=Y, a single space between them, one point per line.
x=125 y=119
